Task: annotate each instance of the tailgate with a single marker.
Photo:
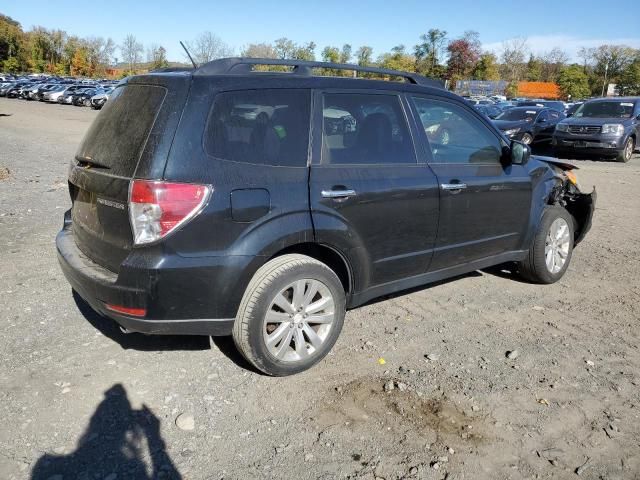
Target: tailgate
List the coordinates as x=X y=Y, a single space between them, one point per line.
x=108 y=158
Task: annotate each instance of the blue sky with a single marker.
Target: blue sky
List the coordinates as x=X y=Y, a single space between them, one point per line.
x=568 y=24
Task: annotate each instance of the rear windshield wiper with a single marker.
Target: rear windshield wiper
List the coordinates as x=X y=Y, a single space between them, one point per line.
x=87 y=162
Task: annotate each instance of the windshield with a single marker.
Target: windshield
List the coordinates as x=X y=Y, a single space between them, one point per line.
x=518 y=114
x=605 y=110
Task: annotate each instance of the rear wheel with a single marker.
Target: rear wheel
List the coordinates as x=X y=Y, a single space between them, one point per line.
x=550 y=253
x=625 y=155
x=290 y=316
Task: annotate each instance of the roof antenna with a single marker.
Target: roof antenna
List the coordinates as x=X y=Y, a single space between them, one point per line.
x=195 y=65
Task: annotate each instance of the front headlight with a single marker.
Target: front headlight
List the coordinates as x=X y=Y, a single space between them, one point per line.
x=512 y=132
x=572 y=178
x=613 y=128
x=562 y=127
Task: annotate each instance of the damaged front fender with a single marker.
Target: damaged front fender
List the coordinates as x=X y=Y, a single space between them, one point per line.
x=559 y=186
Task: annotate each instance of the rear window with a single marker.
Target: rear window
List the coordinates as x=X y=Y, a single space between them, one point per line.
x=268 y=127
x=118 y=134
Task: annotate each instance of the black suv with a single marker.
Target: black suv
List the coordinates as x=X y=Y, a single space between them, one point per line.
x=530 y=125
x=233 y=200
x=609 y=127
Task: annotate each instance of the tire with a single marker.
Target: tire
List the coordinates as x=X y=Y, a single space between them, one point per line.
x=294 y=348
x=527 y=139
x=625 y=155
x=535 y=266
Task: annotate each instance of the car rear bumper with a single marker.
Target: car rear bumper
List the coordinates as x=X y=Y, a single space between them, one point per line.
x=100 y=287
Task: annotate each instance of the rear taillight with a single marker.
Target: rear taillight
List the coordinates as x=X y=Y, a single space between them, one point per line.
x=157 y=208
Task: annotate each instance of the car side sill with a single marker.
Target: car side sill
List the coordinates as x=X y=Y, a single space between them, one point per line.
x=360 y=298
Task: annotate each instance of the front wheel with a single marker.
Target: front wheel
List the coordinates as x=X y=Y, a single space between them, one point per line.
x=527 y=139
x=290 y=316
x=550 y=252
x=625 y=155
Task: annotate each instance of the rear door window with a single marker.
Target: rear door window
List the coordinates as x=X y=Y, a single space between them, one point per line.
x=267 y=127
x=365 y=129
x=118 y=135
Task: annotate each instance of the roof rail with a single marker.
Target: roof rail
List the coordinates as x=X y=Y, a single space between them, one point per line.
x=171 y=69
x=243 y=65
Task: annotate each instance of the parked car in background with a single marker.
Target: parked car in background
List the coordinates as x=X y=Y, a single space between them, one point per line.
x=83 y=97
x=556 y=105
x=572 y=108
x=98 y=101
x=215 y=221
x=491 y=111
x=16 y=89
x=5 y=87
x=529 y=124
x=608 y=127
x=53 y=94
x=506 y=104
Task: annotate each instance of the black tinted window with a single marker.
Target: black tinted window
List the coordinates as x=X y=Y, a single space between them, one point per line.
x=455 y=135
x=269 y=127
x=116 y=137
x=365 y=129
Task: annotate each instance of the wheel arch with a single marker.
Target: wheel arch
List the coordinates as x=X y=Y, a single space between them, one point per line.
x=331 y=257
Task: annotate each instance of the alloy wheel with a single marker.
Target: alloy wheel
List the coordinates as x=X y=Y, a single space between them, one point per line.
x=298 y=320
x=628 y=150
x=556 y=249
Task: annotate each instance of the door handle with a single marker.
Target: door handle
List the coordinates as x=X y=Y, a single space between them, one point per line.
x=345 y=193
x=453 y=187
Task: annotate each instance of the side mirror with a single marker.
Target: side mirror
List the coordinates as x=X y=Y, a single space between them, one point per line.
x=520 y=153
x=542 y=120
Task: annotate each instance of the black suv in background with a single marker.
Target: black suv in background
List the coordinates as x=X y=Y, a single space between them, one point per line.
x=226 y=200
x=530 y=125
x=608 y=127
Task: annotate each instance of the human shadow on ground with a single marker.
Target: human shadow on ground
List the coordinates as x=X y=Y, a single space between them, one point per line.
x=119 y=442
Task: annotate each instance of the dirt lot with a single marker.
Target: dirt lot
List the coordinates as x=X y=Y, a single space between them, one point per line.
x=78 y=399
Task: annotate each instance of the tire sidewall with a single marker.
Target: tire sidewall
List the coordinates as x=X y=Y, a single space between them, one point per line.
x=623 y=155
x=263 y=359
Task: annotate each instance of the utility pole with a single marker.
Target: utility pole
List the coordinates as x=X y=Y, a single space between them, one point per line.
x=604 y=84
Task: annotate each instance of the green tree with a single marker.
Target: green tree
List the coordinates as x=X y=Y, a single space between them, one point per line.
x=305 y=51
x=487 y=68
x=11 y=65
x=398 y=59
x=429 y=51
x=512 y=89
x=259 y=50
x=574 y=82
x=534 y=69
x=157 y=57
x=331 y=54
x=629 y=81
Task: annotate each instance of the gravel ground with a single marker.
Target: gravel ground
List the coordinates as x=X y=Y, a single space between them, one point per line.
x=78 y=399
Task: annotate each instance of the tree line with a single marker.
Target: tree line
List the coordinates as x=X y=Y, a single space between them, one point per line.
x=436 y=54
